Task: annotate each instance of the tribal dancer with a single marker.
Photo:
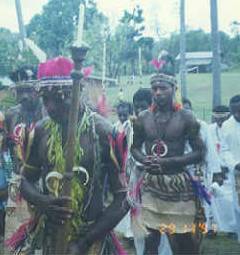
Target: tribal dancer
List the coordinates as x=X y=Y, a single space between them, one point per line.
x=91 y=223
x=223 y=186
x=19 y=122
x=20 y=119
x=168 y=193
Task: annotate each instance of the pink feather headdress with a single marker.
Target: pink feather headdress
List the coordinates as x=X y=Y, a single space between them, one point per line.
x=59 y=67
x=57 y=72
x=158 y=64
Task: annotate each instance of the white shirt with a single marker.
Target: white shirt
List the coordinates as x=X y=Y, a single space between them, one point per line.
x=222 y=149
x=231 y=135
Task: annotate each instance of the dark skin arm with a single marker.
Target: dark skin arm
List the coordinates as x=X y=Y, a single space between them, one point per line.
x=115 y=211
x=9 y=143
x=55 y=208
x=109 y=219
x=197 y=146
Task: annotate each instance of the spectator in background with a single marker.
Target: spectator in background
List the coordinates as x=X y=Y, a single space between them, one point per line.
x=124 y=124
x=187 y=104
x=231 y=133
x=223 y=192
x=211 y=164
x=142 y=100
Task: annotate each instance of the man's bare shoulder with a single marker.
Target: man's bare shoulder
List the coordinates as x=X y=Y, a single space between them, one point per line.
x=144 y=115
x=13 y=110
x=102 y=125
x=187 y=116
x=192 y=125
x=41 y=126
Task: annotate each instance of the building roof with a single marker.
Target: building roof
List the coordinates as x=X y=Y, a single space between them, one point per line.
x=197 y=58
x=197 y=55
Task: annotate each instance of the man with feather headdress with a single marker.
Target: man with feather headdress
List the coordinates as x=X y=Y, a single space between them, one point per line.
x=91 y=223
x=19 y=124
x=167 y=190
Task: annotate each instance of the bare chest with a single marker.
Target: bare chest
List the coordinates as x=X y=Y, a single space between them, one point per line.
x=87 y=146
x=168 y=127
x=169 y=131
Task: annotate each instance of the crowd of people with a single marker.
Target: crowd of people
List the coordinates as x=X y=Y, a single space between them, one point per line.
x=158 y=176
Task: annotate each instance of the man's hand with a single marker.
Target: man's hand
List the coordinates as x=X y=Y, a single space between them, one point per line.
x=57 y=209
x=154 y=171
x=155 y=165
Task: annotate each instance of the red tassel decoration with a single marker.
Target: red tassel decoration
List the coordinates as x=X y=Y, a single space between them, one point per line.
x=118 y=245
x=87 y=71
x=13 y=242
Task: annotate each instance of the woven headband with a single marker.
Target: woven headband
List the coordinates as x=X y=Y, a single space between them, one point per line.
x=161 y=77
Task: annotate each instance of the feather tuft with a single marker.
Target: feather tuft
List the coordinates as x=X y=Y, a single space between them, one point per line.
x=87 y=71
x=57 y=67
x=158 y=64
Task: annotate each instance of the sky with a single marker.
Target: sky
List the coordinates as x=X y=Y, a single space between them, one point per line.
x=161 y=14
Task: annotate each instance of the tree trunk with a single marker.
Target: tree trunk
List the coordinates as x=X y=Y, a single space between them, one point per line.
x=216 y=68
x=22 y=30
x=183 y=50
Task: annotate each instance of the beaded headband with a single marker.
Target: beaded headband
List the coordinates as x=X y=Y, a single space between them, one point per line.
x=164 y=66
x=161 y=77
x=55 y=73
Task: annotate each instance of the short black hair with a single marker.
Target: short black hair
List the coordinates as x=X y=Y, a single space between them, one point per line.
x=186 y=101
x=125 y=104
x=143 y=94
x=235 y=99
x=221 y=108
x=22 y=73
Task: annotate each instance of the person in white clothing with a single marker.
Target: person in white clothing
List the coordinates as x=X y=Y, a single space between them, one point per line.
x=231 y=133
x=211 y=165
x=223 y=195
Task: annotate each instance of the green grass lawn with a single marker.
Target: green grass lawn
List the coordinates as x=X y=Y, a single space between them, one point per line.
x=219 y=245
x=199 y=90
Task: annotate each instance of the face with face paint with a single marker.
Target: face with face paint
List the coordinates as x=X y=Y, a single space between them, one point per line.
x=235 y=110
x=57 y=103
